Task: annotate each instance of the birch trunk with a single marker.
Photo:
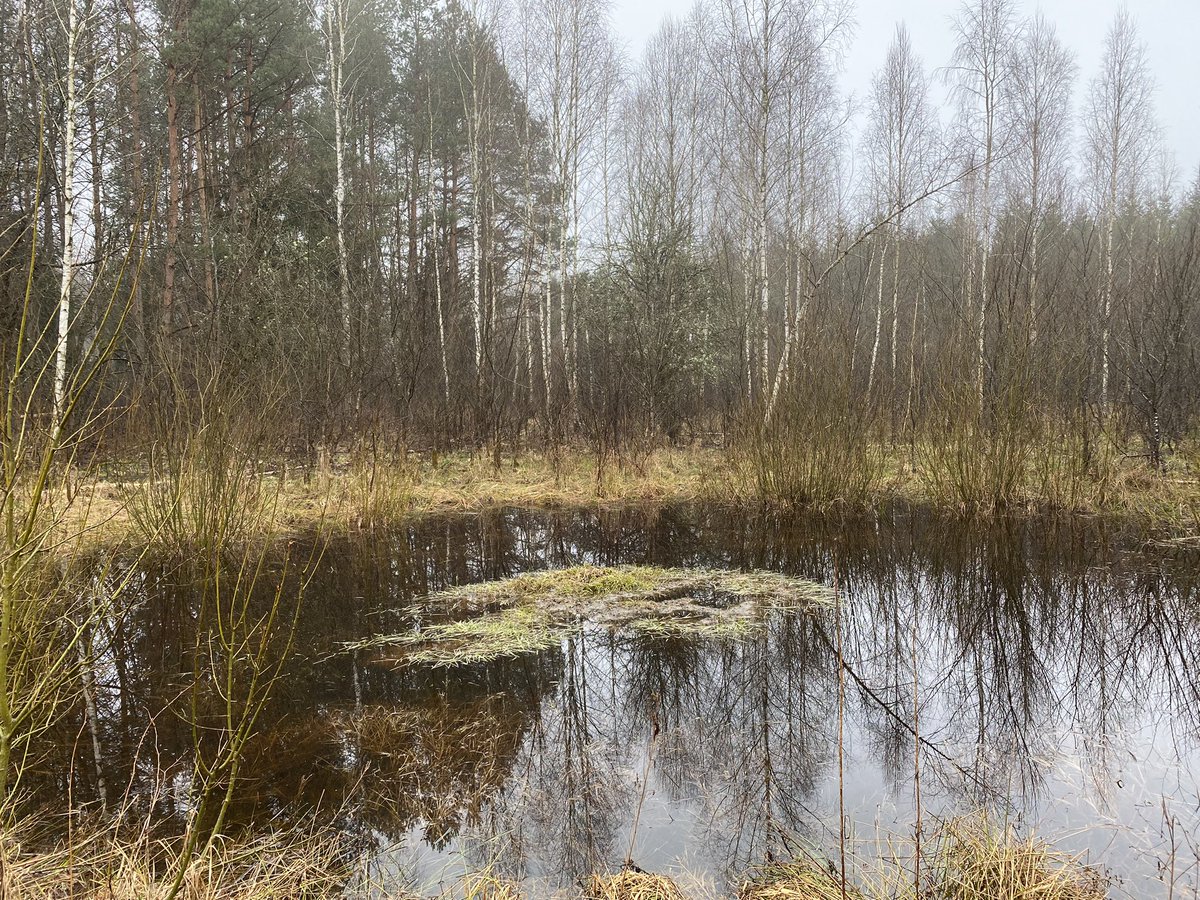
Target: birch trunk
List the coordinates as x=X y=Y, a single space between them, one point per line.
x=68 y=221
x=878 y=328
x=336 y=22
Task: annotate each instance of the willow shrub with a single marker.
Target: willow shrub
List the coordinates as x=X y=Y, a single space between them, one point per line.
x=817 y=447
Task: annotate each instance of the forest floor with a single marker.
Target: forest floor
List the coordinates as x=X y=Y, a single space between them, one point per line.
x=354 y=493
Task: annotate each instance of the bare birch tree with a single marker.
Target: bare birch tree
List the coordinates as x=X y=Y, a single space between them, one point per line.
x=1121 y=129
x=901 y=135
x=980 y=72
x=1041 y=122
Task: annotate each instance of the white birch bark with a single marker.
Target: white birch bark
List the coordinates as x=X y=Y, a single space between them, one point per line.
x=68 y=224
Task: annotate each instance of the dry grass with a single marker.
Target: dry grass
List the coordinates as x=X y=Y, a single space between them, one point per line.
x=363 y=492
x=101 y=866
x=367 y=490
x=968 y=858
x=632 y=884
x=802 y=880
x=978 y=860
x=486 y=885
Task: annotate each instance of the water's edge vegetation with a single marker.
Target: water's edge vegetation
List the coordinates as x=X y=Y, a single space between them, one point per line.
x=122 y=505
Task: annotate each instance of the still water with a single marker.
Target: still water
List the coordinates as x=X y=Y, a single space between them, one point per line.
x=1049 y=674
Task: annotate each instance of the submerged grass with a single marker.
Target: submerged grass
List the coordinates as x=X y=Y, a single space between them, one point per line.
x=510 y=632
x=534 y=611
x=679 y=628
x=634 y=583
x=574 y=583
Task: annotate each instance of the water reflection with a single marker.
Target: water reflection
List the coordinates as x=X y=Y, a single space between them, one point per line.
x=1054 y=672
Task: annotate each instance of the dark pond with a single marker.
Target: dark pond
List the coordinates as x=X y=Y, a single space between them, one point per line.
x=1056 y=672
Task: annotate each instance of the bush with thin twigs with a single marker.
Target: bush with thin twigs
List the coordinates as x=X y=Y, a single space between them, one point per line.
x=977 y=458
x=204 y=491
x=814 y=448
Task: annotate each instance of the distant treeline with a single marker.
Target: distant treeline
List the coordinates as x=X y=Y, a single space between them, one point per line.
x=476 y=222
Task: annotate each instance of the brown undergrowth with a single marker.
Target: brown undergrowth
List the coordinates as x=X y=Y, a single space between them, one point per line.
x=368 y=491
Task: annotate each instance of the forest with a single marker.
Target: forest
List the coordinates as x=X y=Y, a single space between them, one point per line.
x=286 y=283
x=485 y=227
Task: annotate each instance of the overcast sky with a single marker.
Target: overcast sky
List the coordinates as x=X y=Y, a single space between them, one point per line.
x=1170 y=29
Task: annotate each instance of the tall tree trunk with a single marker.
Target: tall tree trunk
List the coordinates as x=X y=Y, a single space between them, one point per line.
x=210 y=280
x=336 y=40
x=174 y=193
x=68 y=214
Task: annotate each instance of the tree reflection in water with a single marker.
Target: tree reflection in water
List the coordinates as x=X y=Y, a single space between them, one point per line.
x=1057 y=672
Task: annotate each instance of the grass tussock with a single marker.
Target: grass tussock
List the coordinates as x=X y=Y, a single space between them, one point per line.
x=968 y=858
x=486 y=885
x=978 y=860
x=376 y=490
x=800 y=880
x=101 y=866
x=632 y=884
x=534 y=611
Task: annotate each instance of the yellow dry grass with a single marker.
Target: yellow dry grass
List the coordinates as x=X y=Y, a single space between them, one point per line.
x=633 y=884
x=486 y=885
x=979 y=860
x=355 y=494
x=799 y=880
x=103 y=866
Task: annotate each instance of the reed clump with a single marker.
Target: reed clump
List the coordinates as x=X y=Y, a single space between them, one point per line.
x=632 y=884
x=975 y=859
x=798 y=880
x=379 y=487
